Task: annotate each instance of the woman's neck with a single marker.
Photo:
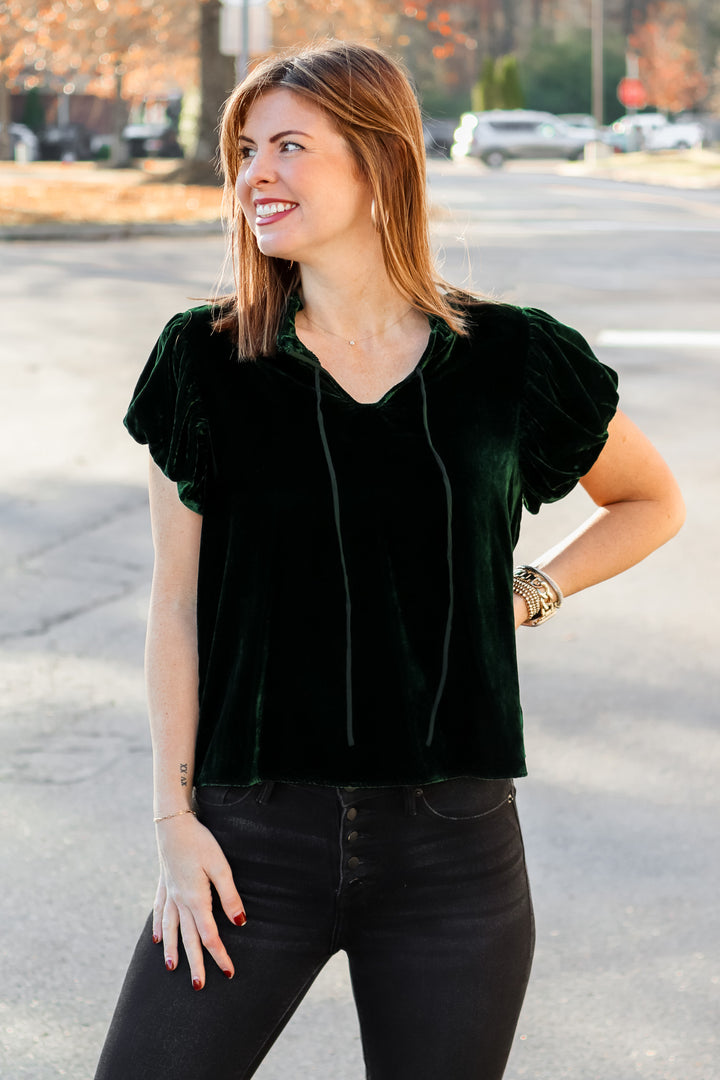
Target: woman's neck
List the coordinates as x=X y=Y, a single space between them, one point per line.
x=358 y=302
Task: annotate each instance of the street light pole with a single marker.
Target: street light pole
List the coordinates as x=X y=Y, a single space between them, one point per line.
x=597 y=19
x=242 y=61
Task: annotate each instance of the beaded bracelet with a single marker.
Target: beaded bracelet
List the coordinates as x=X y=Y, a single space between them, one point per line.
x=528 y=593
x=547 y=593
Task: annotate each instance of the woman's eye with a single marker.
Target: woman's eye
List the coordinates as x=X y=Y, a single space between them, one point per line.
x=291 y=146
x=247 y=152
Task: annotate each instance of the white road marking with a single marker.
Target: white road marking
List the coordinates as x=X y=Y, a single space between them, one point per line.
x=659 y=339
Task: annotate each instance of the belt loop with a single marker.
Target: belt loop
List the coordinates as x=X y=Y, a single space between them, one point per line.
x=410 y=796
x=264 y=792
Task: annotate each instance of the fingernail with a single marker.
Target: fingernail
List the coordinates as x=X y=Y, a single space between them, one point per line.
x=169 y=964
x=197 y=985
x=156 y=939
x=228 y=974
x=240 y=919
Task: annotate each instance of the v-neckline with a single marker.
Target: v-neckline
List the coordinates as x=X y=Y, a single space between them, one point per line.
x=289 y=341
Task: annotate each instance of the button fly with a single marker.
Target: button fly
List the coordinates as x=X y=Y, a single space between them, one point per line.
x=352 y=813
x=353 y=862
x=352 y=836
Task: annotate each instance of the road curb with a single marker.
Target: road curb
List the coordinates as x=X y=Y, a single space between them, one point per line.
x=126 y=231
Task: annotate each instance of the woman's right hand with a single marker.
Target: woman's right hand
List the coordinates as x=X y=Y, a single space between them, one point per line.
x=191 y=860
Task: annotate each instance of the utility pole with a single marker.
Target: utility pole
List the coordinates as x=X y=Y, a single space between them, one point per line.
x=242 y=60
x=245 y=31
x=597 y=19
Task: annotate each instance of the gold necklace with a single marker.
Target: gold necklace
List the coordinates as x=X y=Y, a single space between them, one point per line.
x=353 y=341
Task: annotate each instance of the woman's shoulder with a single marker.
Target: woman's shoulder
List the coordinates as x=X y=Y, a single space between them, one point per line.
x=485 y=313
x=532 y=331
x=198 y=321
x=192 y=335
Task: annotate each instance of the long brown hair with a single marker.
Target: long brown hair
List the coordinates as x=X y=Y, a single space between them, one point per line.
x=371 y=101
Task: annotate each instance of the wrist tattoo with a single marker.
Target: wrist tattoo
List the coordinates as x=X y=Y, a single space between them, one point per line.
x=183 y=775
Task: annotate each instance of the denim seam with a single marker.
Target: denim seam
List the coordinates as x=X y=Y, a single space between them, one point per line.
x=507 y=801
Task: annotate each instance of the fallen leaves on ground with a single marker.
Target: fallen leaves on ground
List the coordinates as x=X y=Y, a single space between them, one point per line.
x=83 y=193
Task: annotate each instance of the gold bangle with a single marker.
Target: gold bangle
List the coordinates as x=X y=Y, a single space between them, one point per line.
x=178 y=813
x=548 y=593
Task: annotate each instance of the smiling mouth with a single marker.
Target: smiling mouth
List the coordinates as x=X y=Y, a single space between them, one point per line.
x=265 y=212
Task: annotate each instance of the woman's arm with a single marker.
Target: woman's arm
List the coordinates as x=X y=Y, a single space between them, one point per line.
x=639 y=508
x=190 y=858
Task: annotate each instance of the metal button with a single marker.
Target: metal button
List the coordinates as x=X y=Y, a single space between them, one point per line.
x=353 y=835
x=349 y=789
x=353 y=862
x=352 y=813
x=418 y=792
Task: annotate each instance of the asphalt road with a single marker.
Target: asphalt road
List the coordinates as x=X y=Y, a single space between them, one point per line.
x=621 y=691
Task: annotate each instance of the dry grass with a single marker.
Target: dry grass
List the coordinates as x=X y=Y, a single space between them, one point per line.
x=81 y=193
x=674 y=168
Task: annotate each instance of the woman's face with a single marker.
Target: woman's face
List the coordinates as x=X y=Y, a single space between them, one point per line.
x=298 y=185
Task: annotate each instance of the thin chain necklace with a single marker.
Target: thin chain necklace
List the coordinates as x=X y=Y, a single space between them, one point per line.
x=354 y=341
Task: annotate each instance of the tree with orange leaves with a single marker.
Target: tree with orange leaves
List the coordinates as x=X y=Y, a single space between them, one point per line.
x=669 y=68
x=18 y=22
x=137 y=48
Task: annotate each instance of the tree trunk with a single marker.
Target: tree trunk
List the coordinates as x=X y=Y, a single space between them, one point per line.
x=217 y=78
x=5 y=140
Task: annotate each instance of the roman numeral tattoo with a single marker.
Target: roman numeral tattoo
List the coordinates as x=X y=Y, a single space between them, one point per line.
x=183 y=775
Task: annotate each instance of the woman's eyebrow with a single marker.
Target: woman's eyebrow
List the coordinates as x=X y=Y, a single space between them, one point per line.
x=280 y=135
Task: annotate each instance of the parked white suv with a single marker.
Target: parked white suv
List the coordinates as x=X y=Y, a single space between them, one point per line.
x=653 y=131
x=500 y=134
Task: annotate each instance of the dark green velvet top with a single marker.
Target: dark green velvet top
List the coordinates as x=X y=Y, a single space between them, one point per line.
x=355 y=617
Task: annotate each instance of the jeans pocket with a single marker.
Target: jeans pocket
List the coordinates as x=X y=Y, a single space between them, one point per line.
x=466 y=798
x=221 y=795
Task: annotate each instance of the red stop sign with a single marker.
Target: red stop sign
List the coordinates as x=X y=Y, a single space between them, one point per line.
x=631 y=93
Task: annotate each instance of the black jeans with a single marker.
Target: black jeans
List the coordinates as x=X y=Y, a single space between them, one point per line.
x=426 y=891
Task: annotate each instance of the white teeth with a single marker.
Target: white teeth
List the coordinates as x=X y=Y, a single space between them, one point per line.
x=268 y=209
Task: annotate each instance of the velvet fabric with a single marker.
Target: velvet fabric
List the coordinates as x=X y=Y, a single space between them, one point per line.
x=355 y=618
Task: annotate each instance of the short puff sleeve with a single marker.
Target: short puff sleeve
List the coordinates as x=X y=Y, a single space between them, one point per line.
x=569 y=398
x=167 y=412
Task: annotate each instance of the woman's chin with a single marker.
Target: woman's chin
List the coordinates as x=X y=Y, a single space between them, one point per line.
x=274 y=247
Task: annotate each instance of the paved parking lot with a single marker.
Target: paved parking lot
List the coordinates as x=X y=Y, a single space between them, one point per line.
x=621 y=807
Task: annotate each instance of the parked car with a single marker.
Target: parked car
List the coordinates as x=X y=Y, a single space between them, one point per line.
x=499 y=135
x=65 y=142
x=152 y=140
x=675 y=137
x=709 y=122
x=23 y=143
x=653 y=131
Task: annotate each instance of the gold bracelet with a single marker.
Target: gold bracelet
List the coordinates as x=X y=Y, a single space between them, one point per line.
x=529 y=595
x=178 y=813
x=548 y=593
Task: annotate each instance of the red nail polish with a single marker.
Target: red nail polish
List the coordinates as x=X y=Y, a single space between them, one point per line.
x=169 y=964
x=156 y=939
x=240 y=919
x=197 y=985
x=228 y=974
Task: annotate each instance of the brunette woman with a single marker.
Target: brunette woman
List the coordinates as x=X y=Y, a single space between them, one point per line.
x=340 y=453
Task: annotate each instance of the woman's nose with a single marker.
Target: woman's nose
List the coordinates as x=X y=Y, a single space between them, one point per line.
x=259 y=170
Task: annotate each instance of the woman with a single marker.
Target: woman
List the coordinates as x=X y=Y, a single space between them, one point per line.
x=340 y=453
